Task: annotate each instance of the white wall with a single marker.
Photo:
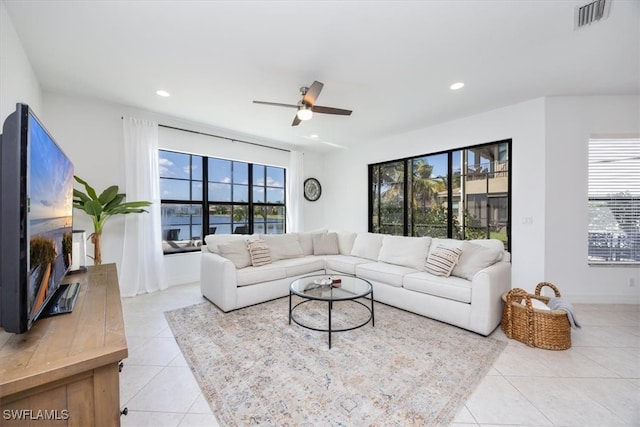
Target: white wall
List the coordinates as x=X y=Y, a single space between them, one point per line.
x=18 y=82
x=549 y=144
x=570 y=123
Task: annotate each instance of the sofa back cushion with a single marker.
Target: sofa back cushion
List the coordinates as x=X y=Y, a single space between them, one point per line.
x=283 y=246
x=475 y=255
x=212 y=241
x=236 y=251
x=367 y=245
x=345 y=241
x=406 y=251
x=494 y=244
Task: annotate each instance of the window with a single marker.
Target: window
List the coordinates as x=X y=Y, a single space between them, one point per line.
x=226 y=195
x=614 y=201
x=462 y=194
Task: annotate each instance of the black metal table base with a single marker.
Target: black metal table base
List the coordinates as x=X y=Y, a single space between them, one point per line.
x=329 y=328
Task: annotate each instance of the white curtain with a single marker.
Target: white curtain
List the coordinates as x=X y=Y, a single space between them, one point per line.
x=294 y=192
x=142 y=266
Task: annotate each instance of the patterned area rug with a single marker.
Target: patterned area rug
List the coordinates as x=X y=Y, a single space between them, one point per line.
x=256 y=369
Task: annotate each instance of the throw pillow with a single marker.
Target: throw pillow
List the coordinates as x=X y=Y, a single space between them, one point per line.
x=325 y=244
x=259 y=252
x=236 y=251
x=442 y=261
x=306 y=240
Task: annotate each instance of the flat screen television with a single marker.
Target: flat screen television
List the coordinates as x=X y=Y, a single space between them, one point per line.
x=36 y=223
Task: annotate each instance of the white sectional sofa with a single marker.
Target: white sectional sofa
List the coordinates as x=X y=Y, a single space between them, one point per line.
x=469 y=297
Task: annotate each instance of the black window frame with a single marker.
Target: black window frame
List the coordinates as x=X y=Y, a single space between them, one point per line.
x=409 y=225
x=208 y=201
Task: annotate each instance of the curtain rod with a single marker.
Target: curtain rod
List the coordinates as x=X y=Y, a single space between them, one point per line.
x=224 y=137
x=221 y=137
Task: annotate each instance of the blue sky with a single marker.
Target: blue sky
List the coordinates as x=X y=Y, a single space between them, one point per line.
x=51 y=176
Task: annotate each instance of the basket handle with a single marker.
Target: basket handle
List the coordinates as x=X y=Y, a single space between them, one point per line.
x=518 y=292
x=548 y=284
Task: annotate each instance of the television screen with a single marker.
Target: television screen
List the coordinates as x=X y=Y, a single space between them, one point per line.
x=50 y=214
x=36 y=189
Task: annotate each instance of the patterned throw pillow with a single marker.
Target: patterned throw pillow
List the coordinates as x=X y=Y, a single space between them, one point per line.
x=259 y=251
x=441 y=261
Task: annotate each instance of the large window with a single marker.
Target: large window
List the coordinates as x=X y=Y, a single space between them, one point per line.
x=227 y=196
x=462 y=194
x=614 y=201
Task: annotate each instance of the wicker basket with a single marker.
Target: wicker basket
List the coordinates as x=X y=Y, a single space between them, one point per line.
x=549 y=329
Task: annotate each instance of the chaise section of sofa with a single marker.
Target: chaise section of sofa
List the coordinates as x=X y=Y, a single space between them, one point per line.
x=468 y=296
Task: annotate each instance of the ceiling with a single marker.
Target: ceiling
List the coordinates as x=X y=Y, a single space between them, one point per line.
x=391 y=62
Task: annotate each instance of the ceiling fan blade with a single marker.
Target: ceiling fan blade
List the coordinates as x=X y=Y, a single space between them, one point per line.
x=312 y=93
x=330 y=110
x=277 y=104
x=296 y=121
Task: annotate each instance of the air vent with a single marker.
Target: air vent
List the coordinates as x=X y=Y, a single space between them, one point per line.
x=591 y=12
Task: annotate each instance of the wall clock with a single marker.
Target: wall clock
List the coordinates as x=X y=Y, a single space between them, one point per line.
x=312 y=189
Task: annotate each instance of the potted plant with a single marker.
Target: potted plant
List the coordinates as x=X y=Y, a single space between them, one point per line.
x=100 y=208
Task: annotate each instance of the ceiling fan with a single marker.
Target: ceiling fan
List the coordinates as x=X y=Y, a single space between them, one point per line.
x=306 y=106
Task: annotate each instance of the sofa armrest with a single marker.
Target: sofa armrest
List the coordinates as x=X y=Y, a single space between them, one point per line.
x=487 y=288
x=218 y=281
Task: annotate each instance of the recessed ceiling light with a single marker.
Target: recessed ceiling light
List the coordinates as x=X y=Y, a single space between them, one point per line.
x=456 y=86
x=313 y=135
x=163 y=93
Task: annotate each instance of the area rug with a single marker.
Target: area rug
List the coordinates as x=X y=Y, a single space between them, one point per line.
x=256 y=369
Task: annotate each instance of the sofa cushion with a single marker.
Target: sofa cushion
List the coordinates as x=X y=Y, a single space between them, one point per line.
x=442 y=261
x=344 y=263
x=345 y=241
x=406 y=251
x=306 y=240
x=474 y=258
x=283 y=246
x=259 y=252
x=367 y=245
x=389 y=274
x=300 y=266
x=495 y=244
x=213 y=240
x=265 y=273
x=453 y=288
x=325 y=244
x=237 y=252
x=476 y=254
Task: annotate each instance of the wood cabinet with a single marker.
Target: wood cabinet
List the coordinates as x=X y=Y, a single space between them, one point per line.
x=64 y=370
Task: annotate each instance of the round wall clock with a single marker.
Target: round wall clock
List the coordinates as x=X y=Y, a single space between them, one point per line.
x=312 y=189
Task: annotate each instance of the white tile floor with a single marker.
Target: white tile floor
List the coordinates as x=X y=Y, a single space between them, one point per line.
x=595 y=383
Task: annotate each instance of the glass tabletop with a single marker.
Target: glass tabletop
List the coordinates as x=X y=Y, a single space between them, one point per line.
x=320 y=287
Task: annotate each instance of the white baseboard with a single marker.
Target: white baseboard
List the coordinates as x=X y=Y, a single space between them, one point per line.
x=602 y=299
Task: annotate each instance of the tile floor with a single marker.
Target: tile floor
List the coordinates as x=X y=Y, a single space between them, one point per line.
x=595 y=383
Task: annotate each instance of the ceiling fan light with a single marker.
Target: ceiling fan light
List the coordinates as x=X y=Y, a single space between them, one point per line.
x=304 y=113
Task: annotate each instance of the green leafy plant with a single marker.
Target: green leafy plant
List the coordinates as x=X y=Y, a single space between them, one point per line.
x=101 y=207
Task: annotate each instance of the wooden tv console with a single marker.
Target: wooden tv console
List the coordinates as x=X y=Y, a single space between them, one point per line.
x=64 y=371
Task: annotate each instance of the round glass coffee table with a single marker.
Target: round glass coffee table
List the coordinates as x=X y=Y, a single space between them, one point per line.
x=331 y=288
